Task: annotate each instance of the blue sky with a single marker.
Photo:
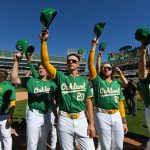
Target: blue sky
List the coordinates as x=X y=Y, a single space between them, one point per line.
x=73 y=25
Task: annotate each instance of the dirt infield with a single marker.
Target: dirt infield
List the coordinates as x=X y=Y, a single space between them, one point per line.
x=19 y=141
x=21 y=96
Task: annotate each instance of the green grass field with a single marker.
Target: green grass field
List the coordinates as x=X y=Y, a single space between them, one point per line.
x=20 y=89
x=136 y=125
x=20 y=110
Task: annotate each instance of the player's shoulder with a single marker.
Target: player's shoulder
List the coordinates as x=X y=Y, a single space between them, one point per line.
x=52 y=83
x=82 y=78
x=58 y=72
x=8 y=84
x=117 y=82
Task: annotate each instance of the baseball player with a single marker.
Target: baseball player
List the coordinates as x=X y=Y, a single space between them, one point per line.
x=74 y=97
x=7 y=106
x=34 y=73
x=109 y=112
x=144 y=79
x=40 y=97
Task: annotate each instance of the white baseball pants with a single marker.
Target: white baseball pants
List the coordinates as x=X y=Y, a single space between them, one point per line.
x=110 y=130
x=38 y=126
x=53 y=132
x=5 y=134
x=71 y=129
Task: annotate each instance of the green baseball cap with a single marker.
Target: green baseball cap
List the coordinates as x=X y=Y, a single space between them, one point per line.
x=141 y=33
x=22 y=45
x=47 y=16
x=30 y=50
x=102 y=46
x=147 y=40
x=98 y=28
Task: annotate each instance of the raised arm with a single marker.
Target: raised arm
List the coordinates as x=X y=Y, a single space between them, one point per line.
x=31 y=66
x=98 y=63
x=14 y=73
x=121 y=76
x=44 y=54
x=91 y=66
x=142 y=63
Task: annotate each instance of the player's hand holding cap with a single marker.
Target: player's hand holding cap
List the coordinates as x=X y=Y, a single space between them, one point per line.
x=142 y=34
x=47 y=16
x=18 y=56
x=98 y=28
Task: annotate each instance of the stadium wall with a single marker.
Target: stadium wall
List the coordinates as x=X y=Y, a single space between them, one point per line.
x=6 y=62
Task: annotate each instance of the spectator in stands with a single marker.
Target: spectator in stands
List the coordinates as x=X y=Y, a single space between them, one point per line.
x=41 y=94
x=130 y=97
x=7 y=107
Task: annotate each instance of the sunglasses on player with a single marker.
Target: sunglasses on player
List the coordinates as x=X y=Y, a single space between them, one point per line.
x=70 y=61
x=108 y=68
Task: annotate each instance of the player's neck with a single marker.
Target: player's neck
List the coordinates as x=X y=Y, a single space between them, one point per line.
x=107 y=78
x=74 y=73
x=43 y=78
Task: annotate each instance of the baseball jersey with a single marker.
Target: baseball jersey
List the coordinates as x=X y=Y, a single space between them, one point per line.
x=145 y=89
x=40 y=93
x=72 y=92
x=106 y=94
x=7 y=94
